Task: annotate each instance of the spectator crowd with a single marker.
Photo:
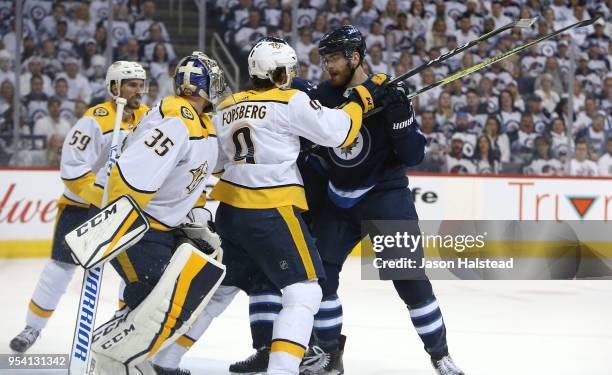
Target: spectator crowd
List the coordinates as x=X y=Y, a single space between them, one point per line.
x=523 y=115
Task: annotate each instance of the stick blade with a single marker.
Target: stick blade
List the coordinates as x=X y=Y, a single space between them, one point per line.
x=589 y=22
x=526 y=22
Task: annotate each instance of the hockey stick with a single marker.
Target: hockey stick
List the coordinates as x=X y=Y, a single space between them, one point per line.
x=522 y=23
x=501 y=57
x=80 y=355
x=488 y=62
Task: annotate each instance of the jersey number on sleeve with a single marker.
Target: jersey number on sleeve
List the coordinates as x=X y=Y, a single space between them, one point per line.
x=163 y=147
x=245 y=148
x=79 y=140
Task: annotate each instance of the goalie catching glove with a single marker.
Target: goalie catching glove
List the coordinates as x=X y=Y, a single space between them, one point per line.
x=199 y=231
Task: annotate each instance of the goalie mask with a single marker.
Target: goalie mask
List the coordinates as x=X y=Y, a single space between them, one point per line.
x=199 y=75
x=120 y=71
x=268 y=55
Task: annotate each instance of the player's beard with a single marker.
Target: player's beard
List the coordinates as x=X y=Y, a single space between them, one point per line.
x=134 y=102
x=343 y=77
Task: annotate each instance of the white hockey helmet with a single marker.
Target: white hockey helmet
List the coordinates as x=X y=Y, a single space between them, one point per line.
x=124 y=70
x=269 y=54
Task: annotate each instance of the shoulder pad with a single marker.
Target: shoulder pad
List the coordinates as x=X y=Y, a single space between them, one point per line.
x=178 y=107
x=272 y=95
x=103 y=114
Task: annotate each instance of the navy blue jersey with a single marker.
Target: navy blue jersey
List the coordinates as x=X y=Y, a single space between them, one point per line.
x=375 y=161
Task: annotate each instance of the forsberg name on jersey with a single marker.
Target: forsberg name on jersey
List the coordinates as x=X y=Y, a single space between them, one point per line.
x=251 y=111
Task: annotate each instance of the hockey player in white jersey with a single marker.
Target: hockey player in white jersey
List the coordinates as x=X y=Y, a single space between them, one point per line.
x=263 y=235
x=84 y=153
x=163 y=167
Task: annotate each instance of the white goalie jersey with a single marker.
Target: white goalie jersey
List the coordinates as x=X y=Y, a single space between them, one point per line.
x=259 y=143
x=165 y=162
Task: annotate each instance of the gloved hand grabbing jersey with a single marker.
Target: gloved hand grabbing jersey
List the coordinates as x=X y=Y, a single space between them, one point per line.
x=370 y=93
x=198 y=230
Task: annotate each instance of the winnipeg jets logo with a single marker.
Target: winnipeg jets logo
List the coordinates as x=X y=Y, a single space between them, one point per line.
x=348 y=150
x=197 y=176
x=354 y=153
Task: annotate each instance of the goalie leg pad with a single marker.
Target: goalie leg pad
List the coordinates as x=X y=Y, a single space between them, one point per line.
x=171 y=356
x=186 y=286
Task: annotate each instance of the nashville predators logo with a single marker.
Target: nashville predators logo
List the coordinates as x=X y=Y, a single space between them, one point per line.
x=100 y=112
x=197 y=176
x=187 y=113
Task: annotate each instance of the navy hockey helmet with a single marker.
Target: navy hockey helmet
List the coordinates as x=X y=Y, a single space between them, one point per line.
x=347 y=39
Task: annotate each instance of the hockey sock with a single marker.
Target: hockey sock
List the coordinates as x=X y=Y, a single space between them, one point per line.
x=263 y=310
x=52 y=284
x=328 y=323
x=293 y=327
x=425 y=315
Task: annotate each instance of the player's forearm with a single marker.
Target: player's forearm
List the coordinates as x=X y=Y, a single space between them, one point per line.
x=410 y=147
x=85 y=188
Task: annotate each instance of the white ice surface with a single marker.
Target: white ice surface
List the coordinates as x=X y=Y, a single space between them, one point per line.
x=494 y=327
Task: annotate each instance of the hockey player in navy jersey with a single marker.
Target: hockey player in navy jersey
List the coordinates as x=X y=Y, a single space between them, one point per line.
x=366 y=181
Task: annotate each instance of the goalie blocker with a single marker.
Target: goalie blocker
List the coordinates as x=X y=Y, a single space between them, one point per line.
x=108 y=233
x=166 y=313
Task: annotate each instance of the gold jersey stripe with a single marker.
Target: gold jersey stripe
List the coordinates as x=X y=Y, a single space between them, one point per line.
x=120 y=187
x=355 y=113
x=298 y=238
x=65 y=201
x=272 y=95
x=85 y=188
x=260 y=198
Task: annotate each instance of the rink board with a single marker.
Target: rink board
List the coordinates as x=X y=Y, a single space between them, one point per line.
x=28 y=200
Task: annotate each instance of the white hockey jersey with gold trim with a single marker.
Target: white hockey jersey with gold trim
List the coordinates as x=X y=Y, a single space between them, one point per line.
x=259 y=140
x=85 y=153
x=166 y=161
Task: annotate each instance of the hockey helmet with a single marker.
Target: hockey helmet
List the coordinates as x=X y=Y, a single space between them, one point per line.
x=346 y=39
x=269 y=54
x=123 y=70
x=199 y=75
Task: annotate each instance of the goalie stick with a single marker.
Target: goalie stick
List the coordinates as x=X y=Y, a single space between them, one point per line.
x=80 y=353
x=483 y=64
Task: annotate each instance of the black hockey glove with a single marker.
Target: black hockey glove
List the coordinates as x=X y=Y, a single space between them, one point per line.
x=407 y=140
x=370 y=93
x=396 y=107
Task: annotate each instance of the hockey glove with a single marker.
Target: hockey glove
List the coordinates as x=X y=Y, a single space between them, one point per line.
x=370 y=93
x=397 y=107
x=199 y=232
x=407 y=140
